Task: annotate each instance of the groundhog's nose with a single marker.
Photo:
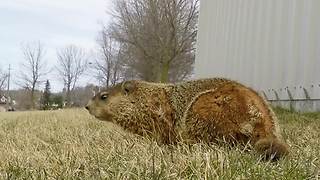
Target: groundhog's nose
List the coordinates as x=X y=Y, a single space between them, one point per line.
x=87 y=107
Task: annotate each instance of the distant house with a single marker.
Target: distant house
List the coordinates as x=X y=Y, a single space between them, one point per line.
x=3 y=99
x=3 y=103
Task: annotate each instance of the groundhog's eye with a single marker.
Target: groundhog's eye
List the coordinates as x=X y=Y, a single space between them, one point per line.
x=104 y=96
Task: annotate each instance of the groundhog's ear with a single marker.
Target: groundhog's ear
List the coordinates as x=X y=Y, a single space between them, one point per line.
x=128 y=87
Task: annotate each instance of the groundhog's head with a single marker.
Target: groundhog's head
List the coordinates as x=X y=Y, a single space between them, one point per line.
x=107 y=104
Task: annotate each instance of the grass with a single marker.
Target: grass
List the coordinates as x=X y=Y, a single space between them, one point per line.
x=70 y=144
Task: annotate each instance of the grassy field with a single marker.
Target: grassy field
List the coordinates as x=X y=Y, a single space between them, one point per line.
x=70 y=144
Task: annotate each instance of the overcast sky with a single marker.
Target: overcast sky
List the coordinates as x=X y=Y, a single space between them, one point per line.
x=56 y=23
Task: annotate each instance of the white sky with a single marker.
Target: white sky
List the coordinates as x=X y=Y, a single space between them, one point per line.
x=56 y=23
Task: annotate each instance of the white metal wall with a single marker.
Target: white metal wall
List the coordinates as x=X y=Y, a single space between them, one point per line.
x=271 y=45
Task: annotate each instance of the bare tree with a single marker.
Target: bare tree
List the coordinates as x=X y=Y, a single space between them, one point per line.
x=33 y=69
x=3 y=81
x=158 y=36
x=72 y=63
x=108 y=64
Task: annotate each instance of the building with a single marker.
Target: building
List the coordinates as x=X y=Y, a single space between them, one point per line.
x=4 y=105
x=272 y=46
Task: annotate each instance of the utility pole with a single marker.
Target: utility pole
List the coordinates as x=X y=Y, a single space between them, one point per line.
x=8 y=90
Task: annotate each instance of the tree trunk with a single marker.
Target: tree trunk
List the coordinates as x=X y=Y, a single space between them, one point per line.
x=33 y=104
x=68 y=98
x=165 y=72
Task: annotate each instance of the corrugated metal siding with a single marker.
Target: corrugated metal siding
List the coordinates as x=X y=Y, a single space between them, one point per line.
x=271 y=45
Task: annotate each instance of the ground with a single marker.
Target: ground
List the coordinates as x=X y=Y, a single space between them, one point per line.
x=71 y=144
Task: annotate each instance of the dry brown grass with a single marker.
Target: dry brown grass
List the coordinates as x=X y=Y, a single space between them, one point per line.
x=70 y=144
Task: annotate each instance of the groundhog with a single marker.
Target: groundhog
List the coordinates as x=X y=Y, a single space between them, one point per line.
x=207 y=110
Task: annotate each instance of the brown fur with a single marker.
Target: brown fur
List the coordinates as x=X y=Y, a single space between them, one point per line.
x=205 y=110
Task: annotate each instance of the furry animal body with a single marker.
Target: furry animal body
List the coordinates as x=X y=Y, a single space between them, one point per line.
x=206 y=110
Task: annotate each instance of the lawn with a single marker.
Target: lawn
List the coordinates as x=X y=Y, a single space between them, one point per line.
x=70 y=144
